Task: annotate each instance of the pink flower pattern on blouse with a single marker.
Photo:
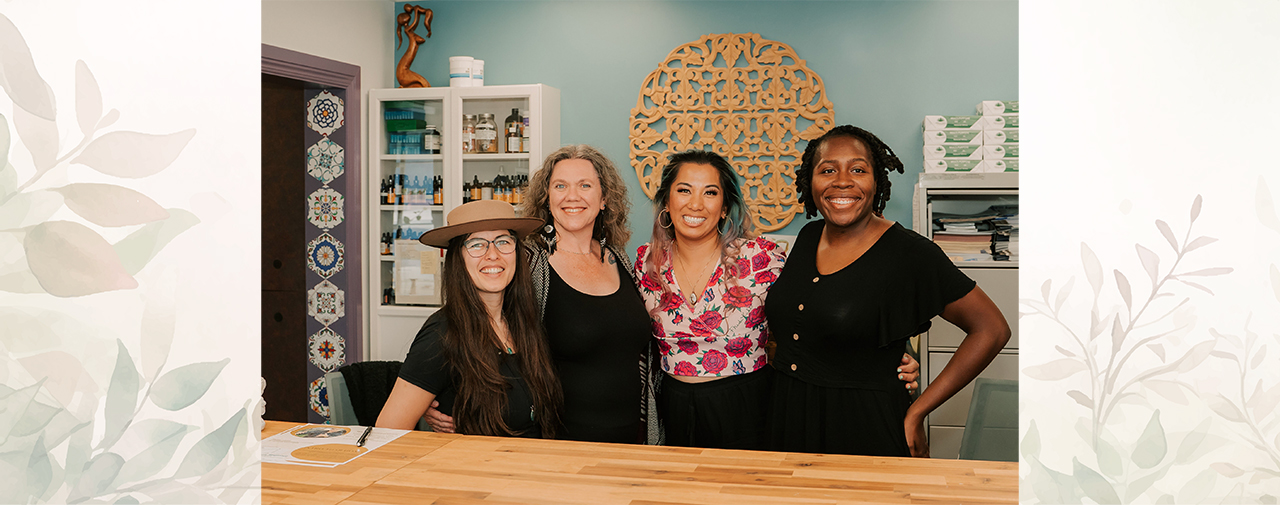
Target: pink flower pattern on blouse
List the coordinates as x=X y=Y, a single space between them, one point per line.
x=724 y=331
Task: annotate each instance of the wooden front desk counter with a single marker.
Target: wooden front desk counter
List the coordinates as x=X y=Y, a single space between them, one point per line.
x=424 y=467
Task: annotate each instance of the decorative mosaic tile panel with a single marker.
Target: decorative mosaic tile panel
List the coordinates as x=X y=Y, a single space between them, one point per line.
x=325 y=160
x=328 y=350
x=325 y=208
x=325 y=255
x=324 y=113
x=326 y=303
x=319 y=397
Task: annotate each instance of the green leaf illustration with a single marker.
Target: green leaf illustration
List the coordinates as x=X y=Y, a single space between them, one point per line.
x=1139 y=485
x=1227 y=469
x=39 y=136
x=1187 y=448
x=122 y=396
x=1150 y=263
x=8 y=174
x=1122 y=284
x=1109 y=458
x=16 y=276
x=157 y=327
x=1052 y=486
x=69 y=259
x=161 y=438
x=137 y=249
x=1055 y=370
x=1198 y=243
x=39 y=470
x=1168 y=234
x=1094 y=485
x=21 y=80
x=88 y=98
x=37 y=416
x=210 y=450
x=1152 y=445
x=184 y=385
x=1030 y=446
x=27 y=330
x=133 y=154
x=29 y=209
x=111 y=205
x=1199 y=487
x=13 y=405
x=98 y=475
x=1092 y=268
x=78 y=451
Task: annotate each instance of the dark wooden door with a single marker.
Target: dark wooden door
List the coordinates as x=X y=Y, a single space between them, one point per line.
x=284 y=290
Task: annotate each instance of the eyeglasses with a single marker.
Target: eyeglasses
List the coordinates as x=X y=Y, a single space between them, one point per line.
x=477 y=247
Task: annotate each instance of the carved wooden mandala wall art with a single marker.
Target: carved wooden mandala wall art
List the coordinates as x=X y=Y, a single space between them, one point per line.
x=750 y=99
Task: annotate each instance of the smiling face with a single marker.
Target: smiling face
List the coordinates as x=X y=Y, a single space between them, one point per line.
x=493 y=270
x=844 y=183
x=574 y=195
x=696 y=202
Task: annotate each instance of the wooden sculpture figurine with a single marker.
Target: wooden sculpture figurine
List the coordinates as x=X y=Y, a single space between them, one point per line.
x=408 y=78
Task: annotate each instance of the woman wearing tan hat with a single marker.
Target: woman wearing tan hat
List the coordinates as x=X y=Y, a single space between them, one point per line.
x=482 y=356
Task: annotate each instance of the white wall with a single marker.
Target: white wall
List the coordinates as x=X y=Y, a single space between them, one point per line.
x=357 y=32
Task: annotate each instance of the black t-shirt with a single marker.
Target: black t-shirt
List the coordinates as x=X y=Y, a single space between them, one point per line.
x=841 y=336
x=596 y=342
x=427 y=367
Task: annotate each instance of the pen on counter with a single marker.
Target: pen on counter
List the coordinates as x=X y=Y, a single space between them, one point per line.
x=360 y=443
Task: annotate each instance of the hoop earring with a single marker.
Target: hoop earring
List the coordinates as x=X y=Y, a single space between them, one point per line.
x=669 y=223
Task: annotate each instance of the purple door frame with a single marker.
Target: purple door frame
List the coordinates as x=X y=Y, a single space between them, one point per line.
x=304 y=67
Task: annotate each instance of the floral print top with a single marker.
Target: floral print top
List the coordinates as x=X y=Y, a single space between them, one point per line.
x=724 y=331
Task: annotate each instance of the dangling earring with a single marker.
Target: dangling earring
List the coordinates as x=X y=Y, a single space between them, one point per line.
x=599 y=231
x=549 y=235
x=669 y=223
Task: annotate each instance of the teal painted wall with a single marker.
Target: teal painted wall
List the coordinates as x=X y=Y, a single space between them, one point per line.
x=886 y=64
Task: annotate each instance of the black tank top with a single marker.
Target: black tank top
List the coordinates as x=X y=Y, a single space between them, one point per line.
x=596 y=343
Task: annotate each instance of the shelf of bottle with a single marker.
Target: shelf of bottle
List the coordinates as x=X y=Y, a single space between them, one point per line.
x=495 y=156
x=411 y=157
x=388 y=257
x=412 y=207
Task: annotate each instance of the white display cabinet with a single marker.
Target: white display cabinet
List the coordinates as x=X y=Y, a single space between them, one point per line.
x=965 y=193
x=398 y=121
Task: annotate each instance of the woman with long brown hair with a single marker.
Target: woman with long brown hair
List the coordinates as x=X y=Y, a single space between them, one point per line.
x=482 y=356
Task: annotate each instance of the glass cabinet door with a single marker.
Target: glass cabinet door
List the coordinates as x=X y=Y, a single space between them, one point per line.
x=411 y=168
x=495 y=145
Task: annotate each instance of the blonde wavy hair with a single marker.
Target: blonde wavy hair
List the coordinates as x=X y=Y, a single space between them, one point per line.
x=611 y=224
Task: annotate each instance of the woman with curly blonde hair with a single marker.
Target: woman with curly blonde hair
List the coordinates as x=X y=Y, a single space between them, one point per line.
x=596 y=323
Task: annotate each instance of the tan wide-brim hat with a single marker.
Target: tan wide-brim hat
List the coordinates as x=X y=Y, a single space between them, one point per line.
x=482 y=215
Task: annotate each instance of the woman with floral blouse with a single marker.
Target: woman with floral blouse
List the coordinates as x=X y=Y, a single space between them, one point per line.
x=704 y=280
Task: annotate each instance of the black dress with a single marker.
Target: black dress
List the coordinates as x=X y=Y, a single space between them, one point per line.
x=841 y=337
x=595 y=341
x=427 y=367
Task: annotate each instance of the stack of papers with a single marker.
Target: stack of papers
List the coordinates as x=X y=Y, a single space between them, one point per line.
x=982 y=236
x=323 y=445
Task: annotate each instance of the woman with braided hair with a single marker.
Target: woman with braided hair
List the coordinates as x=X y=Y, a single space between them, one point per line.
x=855 y=286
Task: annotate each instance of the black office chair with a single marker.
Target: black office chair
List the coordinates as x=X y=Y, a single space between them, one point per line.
x=371 y=381
x=991 y=432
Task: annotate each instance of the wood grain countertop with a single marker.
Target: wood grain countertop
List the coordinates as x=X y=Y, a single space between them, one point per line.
x=425 y=467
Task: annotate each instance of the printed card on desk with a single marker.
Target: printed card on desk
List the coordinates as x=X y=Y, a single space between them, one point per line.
x=323 y=445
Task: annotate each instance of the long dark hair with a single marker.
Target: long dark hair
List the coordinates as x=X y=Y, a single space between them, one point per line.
x=730 y=229
x=882 y=161
x=472 y=346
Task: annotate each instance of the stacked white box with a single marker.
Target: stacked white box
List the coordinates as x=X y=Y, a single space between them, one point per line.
x=987 y=142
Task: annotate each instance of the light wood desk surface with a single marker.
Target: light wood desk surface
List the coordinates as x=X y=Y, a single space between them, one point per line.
x=425 y=467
